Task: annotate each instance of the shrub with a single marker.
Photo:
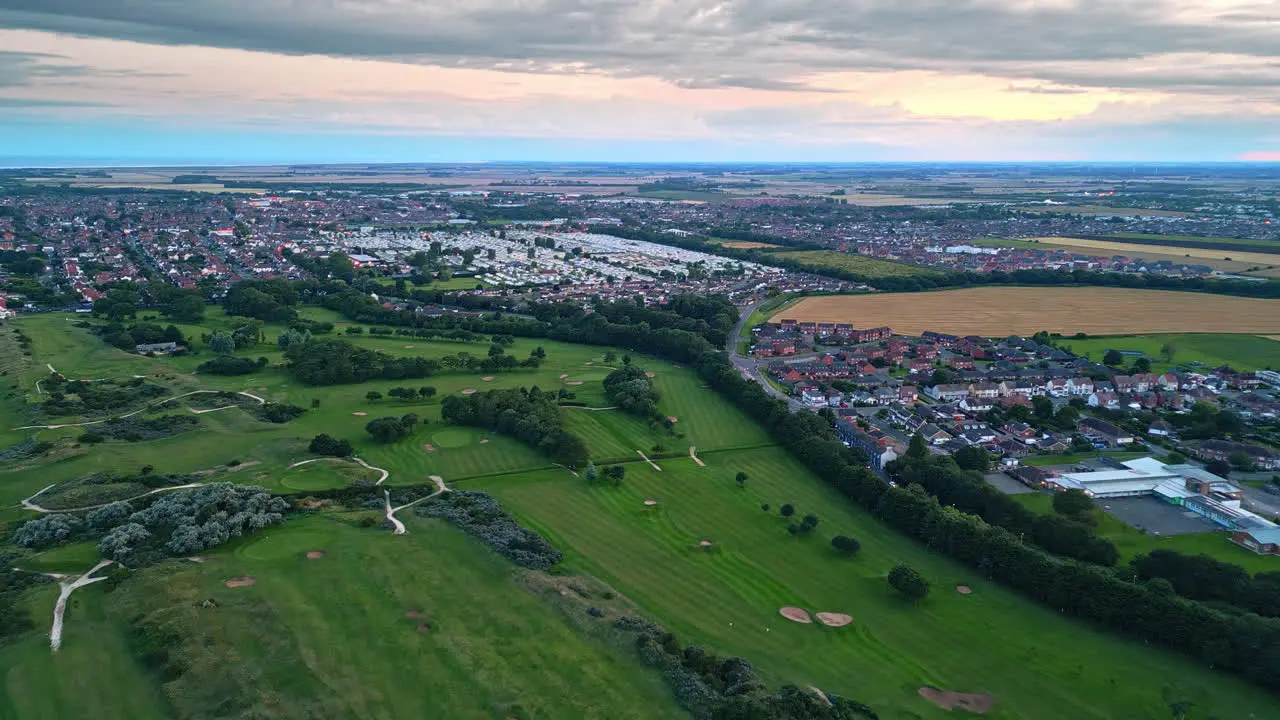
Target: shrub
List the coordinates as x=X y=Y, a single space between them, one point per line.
x=478 y=514
x=48 y=530
x=91 y=438
x=846 y=544
x=907 y=581
x=324 y=444
x=279 y=412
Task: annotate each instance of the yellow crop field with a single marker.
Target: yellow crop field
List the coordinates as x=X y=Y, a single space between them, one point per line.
x=1186 y=255
x=994 y=311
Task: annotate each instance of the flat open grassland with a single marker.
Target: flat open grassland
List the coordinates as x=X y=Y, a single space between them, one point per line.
x=743 y=244
x=868 y=266
x=994 y=311
x=1034 y=662
x=1242 y=352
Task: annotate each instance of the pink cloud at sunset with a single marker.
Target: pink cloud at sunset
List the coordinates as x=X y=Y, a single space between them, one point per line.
x=1261 y=156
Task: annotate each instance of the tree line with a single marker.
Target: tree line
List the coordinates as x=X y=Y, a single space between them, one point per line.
x=529 y=415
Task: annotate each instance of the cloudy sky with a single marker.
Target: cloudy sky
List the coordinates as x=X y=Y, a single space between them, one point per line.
x=841 y=80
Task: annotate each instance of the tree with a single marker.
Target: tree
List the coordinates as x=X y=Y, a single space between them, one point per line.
x=426 y=391
x=222 y=343
x=616 y=474
x=787 y=510
x=918 y=448
x=1175 y=458
x=741 y=479
x=591 y=474
x=1219 y=467
x=324 y=444
x=1042 y=407
x=973 y=457
x=1112 y=358
x=1240 y=460
x=293 y=337
x=1168 y=351
x=907 y=581
x=388 y=429
x=373 y=396
x=1073 y=504
x=403 y=393
x=1141 y=365
x=611 y=357
x=846 y=544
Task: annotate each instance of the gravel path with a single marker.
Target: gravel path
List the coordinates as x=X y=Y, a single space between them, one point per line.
x=60 y=609
x=651 y=463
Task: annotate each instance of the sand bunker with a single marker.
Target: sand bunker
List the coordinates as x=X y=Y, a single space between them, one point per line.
x=795 y=614
x=315 y=555
x=673 y=418
x=242 y=581
x=429 y=447
x=469 y=391
x=964 y=589
x=949 y=700
x=705 y=543
x=412 y=613
x=564 y=375
x=651 y=502
x=574 y=382
x=487 y=378
x=484 y=441
x=834 y=619
x=588 y=363
x=409 y=347
x=262 y=388
x=196 y=559
x=649 y=374
x=359 y=414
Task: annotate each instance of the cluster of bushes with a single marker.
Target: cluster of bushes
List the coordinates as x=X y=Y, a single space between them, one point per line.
x=715 y=688
x=126 y=337
x=137 y=428
x=174 y=523
x=28 y=448
x=392 y=429
x=324 y=444
x=266 y=300
x=631 y=389
x=331 y=362
x=480 y=515
x=1201 y=577
x=529 y=415
x=228 y=365
x=279 y=412
x=76 y=397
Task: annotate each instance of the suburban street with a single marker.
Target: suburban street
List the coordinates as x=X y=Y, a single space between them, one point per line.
x=750 y=367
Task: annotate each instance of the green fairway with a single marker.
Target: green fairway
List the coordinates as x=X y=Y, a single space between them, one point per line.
x=851 y=262
x=1035 y=663
x=332 y=638
x=1201 y=352
x=324 y=474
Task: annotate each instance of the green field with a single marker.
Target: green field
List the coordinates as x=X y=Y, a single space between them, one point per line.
x=453 y=283
x=1201 y=352
x=1204 y=241
x=329 y=637
x=850 y=262
x=1036 y=663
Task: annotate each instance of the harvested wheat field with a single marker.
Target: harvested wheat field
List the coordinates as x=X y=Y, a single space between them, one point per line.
x=996 y=311
x=1238 y=260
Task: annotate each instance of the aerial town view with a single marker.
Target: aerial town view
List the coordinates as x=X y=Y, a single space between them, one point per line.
x=705 y=361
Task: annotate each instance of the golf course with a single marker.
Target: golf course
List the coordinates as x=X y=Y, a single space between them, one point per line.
x=331 y=614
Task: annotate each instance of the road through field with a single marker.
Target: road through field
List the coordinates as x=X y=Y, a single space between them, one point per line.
x=995 y=311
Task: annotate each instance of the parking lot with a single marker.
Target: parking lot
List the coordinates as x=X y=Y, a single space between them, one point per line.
x=1006 y=484
x=1156 y=516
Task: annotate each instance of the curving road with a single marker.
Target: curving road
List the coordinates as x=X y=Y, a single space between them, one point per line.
x=751 y=368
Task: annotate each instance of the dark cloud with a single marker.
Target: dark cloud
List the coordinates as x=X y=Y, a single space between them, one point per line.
x=762 y=44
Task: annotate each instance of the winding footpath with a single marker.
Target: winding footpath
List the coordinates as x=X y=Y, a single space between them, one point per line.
x=144 y=409
x=391 y=512
x=68 y=587
x=360 y=461
x=693 y=453
x=28 y=505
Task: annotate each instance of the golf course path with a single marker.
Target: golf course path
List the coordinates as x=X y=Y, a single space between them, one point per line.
x=385 y=474
x=391 y=511
x=693 y=453
x=651 y=463
x=591 y=409
x=28 y=505
x=60 y=609
x=143 y=409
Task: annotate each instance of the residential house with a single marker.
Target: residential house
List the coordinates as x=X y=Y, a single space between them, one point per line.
x=1107 y=400
x=1101 y=430
x=948 y=392
x=1079 y=386
x=933 y=434
x=1263 y=458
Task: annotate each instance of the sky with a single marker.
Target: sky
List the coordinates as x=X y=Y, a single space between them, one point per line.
x=281 y=81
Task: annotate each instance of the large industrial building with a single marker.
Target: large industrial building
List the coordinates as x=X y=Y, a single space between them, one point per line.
x=1187 y=486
